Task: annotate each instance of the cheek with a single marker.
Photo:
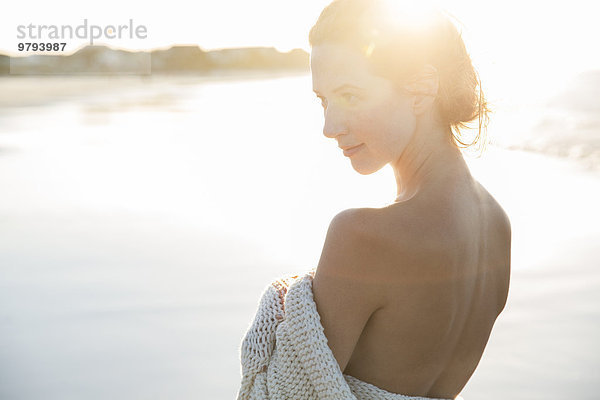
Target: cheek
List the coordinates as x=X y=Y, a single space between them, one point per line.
x=383 y=125
x=365 y=124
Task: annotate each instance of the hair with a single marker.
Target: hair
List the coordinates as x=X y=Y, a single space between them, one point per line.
x=397 y=47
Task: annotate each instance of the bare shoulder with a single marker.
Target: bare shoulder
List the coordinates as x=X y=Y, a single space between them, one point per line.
x=359 y=224
x=345 y=290
x=375 y=239
x=349 y=243
x=378 y=225
x=372 y=228
x=500 y=216
x=357 y=254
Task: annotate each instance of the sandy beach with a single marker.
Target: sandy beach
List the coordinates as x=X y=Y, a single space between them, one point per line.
x=131 y=266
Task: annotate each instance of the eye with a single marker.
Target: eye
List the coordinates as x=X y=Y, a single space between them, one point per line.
x=349 y=97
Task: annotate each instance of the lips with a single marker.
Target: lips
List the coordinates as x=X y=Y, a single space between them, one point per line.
x=348 y=151
x=348 y=147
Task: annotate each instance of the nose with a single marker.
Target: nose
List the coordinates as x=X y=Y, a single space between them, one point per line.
x=335 y=123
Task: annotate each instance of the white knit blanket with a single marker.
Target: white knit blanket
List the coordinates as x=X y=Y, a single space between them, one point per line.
x=285 y=354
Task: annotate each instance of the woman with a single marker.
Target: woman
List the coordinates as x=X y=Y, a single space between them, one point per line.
x=407 y=294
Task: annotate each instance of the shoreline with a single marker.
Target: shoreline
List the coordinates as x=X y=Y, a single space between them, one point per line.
x=49 y=89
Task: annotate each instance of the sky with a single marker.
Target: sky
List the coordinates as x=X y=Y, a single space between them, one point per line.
x=523 y=40
x=210 y=24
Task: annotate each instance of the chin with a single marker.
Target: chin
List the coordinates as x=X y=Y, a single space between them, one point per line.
x=365 y=168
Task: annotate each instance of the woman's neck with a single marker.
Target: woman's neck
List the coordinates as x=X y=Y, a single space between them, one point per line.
x=430 y=159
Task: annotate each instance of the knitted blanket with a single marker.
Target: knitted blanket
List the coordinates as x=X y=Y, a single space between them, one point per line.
x=285 y=354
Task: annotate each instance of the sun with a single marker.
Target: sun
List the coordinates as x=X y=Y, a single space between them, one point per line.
x=397 y=18
x=414 y=15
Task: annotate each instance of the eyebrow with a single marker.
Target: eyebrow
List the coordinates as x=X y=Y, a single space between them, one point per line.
x=341 y=87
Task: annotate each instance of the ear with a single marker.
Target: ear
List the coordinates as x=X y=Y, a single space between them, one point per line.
x=424 y=88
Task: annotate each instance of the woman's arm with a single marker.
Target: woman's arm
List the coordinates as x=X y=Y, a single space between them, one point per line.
x=344 y=290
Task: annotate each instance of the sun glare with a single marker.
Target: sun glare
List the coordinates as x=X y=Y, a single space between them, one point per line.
x=408 y=17
x=408 y=14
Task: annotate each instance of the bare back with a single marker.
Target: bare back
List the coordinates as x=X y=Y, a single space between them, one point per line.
x=442 y=300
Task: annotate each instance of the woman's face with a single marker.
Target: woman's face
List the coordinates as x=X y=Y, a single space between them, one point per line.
x=361 y=108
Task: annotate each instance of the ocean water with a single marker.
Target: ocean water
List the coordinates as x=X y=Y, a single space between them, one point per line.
x=562 y=119
x=141 y=218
